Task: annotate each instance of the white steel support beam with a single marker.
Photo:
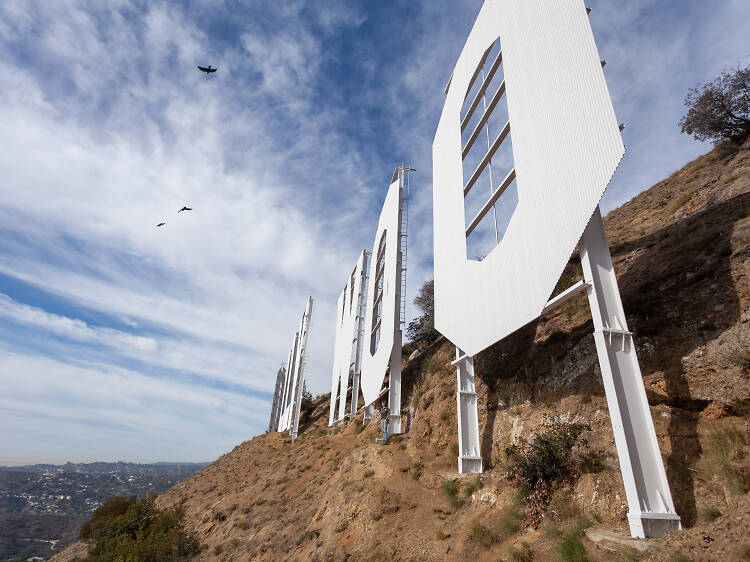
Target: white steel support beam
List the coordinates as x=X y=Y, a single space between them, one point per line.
x=368 y=413
x=469 y=456
x=300 y=369
x=394 y=390
x=394 y=379
x=355 y=394
x=566 y=295
x=343 y=391
x=273 y=422
x=651 y=511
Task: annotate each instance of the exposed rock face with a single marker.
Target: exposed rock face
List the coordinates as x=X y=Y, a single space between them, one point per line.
x=682 y=254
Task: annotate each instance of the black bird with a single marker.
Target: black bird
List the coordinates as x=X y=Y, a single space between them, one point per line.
x=185 y=209
x=161 y=224
x=208 y=70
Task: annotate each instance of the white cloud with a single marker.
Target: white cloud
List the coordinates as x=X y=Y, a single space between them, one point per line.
x=72 y=328
x=108 y=129
x=100 y=412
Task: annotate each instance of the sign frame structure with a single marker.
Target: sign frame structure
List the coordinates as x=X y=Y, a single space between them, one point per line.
x=273 y=422
x=295 y=374
x=385 y=311
x=347 y=353
x=286 y=391
x=566 y=147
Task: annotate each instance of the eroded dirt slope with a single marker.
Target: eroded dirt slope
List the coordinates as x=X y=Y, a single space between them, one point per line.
x=682 y=255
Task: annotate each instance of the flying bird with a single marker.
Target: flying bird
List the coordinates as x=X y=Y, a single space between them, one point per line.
x=185 y=209
x=161 y=224
x=208 y=70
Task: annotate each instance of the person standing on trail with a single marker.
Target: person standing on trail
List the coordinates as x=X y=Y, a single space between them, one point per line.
x=385 y=416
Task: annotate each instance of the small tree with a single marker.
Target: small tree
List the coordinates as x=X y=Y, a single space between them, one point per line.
x=719 y=110
x=306 y=406
x=422 y=328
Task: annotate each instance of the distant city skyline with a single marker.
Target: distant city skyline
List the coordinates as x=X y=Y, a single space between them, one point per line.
x=123 y=341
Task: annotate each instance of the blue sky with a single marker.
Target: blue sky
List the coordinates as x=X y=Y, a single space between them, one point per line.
x=122 y=341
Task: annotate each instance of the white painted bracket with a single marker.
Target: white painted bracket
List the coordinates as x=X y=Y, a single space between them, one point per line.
x=651 y=511
x=368 y=413
x=355 y=395
x=394 y=388
x=469 y=455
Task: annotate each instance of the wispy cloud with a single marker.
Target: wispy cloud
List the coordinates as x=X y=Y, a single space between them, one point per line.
x=285 y=155
x=71 y=328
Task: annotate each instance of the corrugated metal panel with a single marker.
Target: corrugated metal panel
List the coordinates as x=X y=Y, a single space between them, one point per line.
x=566 y=147
x=273 y=423
x=336 y=374
x=347 y=339
x=295 y=372
x=375 y=365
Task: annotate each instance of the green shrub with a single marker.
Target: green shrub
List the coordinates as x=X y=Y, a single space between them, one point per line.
x=450 y=488
x=138 y=532
x=591 y=462
x=437 y=364
x=710 y=514
x=482 y=536
x=473 y=486
x=522 y=554
x=548 y=457
x=111 y=509
x=726 y=456
x=306 y=406
x=417 y=398
x=453 y=448
x=545 y=461
x=510 y=523
x=570 y=547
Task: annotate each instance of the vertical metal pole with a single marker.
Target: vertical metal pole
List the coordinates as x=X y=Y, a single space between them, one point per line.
x=361 y=308
x=651 y=511
x=469 y=455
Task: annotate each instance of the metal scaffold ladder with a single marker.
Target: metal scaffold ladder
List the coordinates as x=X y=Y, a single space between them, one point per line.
x=403 y=236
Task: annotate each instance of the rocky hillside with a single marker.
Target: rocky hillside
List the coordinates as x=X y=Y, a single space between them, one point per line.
x=682 y=255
